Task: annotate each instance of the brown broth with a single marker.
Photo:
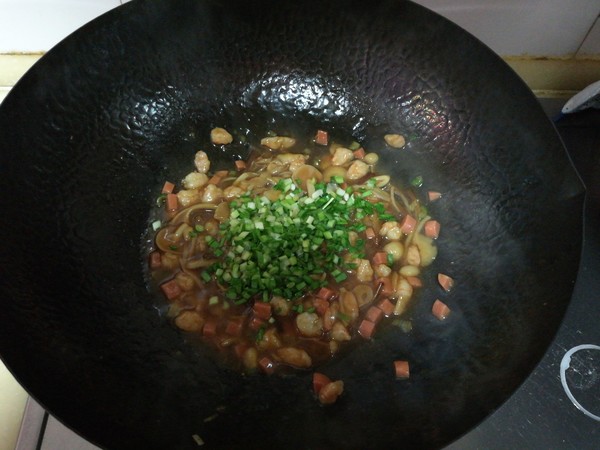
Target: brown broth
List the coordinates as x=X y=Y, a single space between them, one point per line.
x=266 y=331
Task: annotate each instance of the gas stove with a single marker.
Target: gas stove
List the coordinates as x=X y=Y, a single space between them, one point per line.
x=558 y=406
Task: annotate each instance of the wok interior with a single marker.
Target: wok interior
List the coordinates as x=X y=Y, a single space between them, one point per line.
x=89 y=135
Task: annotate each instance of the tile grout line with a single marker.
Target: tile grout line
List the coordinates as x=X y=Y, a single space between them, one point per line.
x=587 y=33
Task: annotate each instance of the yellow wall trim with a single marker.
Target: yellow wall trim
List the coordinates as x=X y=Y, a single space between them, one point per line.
x=559 y=76
x=556 y=74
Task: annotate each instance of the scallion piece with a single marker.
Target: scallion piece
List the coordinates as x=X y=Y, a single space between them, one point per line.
x=161 y=199
x=282 y=247
x=390 y=259
x=206 y=276
x=417 y=181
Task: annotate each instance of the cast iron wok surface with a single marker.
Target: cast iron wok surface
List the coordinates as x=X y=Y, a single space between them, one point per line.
x=90 y=133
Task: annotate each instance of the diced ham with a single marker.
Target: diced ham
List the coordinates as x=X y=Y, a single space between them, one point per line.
x=446 y=282
x=168 y=187
x=359 y=153
x=240 y=165
x=262 y=310
x=322 y=137
x=433 y=196
x=155 y=260
x=210 y=328
x=402 y=369
x=408 y=224
x=319 y=381
x=386 y=306
x=172 y=202
x=221 y=173
x=374 y=314
x=380 y=258
x=366 y=329
x=386 y=286
x=440 y=310
x=325 y=293
x=234 y=328
x=171 y=289
x=266 y=365
x=432 y=229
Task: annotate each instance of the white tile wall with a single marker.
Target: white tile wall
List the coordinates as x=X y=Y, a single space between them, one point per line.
x=591 y=45
x=509 y=27
x=38 y=25
x=523 y=27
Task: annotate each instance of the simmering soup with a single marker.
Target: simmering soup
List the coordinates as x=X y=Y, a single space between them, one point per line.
x=284 y=258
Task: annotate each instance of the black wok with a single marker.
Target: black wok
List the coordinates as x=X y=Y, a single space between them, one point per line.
x=90 y=133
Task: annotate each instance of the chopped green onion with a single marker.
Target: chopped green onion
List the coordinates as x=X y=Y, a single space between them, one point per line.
x=404 y=325
x=278 y=247
x=343 y=317
x=205 y=276
x=417 y=181
x=161 y=199
x=339 y=275
x=390 y=259
x=260 y=334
